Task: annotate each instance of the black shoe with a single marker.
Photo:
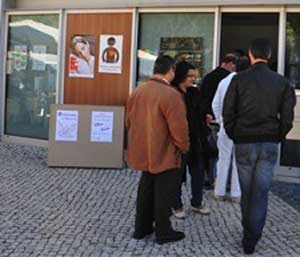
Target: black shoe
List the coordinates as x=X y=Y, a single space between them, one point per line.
x=208 y=186
x=172 y=237
x=140 y=235
x=247 y=247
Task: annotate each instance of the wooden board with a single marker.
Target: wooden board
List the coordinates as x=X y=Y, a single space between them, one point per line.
x=83 y=152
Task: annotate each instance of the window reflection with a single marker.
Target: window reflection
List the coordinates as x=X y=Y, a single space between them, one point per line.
x=31 y=71
x=292 y=62
x=184 y=36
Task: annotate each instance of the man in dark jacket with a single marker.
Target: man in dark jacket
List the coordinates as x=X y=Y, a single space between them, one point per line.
x=208 y=88
x=258 y=114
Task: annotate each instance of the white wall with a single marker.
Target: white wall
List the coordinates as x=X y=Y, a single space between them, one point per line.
x=57 y=4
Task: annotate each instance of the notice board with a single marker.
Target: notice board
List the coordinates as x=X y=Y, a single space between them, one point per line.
x=86 y=136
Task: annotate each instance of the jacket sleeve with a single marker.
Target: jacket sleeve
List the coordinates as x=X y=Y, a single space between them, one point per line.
x=204 y=95
x=229 y=108
x=175 y=113
x=217 y=104
x=127 y=112
x=287 y=111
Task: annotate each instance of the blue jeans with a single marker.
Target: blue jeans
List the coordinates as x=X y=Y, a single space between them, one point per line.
x=196 y=170
x=255 y=164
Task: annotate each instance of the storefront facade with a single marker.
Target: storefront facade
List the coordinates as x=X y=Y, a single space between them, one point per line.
x=37 y=48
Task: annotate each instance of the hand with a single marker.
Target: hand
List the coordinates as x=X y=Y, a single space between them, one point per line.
x=209 y=118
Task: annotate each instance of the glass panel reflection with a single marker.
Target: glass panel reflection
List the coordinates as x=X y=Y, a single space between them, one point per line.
x=186 y=36
x=31 y=72
x=292 y=60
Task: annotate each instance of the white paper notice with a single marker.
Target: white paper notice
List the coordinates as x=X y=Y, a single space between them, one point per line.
x=110 y=54
x=20 y=57
x=66 y=125
x=39 y=57
x=102 y=127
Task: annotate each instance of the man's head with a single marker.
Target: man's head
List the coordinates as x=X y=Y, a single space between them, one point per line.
x=185 y=75
x=80 y=47
x=243 y=63
x=260 y=50
x=165 y=66
x=229 y=62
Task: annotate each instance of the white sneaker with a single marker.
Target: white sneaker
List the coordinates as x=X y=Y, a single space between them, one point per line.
x=201 y=209
x=179 y=214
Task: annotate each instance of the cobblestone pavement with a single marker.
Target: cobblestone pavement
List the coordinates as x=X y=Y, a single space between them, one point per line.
x=55 y=212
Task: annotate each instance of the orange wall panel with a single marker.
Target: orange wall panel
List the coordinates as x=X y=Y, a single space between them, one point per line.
x=103 y=89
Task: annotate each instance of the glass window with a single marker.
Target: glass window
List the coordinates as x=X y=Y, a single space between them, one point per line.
x=290 y=148
x=292 y=57
x=187 y=36
x=31 y=71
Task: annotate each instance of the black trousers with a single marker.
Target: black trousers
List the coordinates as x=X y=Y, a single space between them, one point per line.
x=156 y=196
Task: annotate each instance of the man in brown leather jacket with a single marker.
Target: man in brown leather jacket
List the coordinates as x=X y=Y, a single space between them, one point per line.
x=157 y=136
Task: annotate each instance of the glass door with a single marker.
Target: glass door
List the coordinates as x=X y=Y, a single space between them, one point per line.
x=239 y=29
x=31 y=70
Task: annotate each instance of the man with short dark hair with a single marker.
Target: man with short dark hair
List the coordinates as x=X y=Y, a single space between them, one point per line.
x=158 y=135
x=258 y=114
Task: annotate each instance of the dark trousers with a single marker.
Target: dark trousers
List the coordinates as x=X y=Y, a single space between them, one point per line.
x=255 y=164
x=156 y=197
x=196 y=169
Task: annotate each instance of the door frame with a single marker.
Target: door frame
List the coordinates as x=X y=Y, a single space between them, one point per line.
x=280 y=10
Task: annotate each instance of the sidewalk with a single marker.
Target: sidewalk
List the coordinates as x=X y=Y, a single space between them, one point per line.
x=49 y=212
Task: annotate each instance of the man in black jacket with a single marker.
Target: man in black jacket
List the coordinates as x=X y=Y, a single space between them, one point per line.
x=208 y=88
x=258 y=114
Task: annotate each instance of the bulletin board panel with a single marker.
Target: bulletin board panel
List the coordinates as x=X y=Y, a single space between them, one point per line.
x=83 y=152
x=103 y=88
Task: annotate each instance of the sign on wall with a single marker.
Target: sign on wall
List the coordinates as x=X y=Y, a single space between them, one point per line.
x=66 y=125
x=82 y=56
x=110 y=54
x=102 y=127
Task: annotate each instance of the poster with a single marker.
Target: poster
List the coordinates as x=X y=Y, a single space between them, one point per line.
x=20 y=57
x=110 y=54
x=66 y=125
x=82 y=56
x=102 y=127
x=188 y=49
x=38 y=57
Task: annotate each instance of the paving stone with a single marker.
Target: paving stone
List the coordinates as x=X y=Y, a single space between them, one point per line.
x=65 y=212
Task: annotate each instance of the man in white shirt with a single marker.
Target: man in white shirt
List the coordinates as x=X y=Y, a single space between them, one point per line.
x=225 y=144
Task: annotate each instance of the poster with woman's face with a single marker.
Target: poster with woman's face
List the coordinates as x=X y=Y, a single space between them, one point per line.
x=82 y=56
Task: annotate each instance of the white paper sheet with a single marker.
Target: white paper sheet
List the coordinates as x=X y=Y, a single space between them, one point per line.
x=39 y=57
x=66 y=125
x=110 y=54
x=102 y=127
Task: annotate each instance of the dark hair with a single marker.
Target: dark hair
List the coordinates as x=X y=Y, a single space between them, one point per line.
x=239 y=52
x=182 y=69
x=261 y=48
x=230 y=57
x=243 y=63
x=75 y=40
x=163 y=64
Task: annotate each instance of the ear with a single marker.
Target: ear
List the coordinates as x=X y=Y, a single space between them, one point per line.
x=251 y=57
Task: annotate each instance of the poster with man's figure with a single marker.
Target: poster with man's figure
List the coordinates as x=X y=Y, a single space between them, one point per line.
x=110 y=54
x=82 y=56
